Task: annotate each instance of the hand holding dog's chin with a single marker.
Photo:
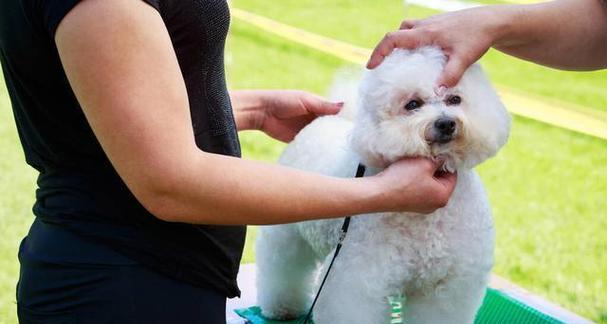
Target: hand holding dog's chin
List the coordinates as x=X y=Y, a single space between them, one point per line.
x=414 y=185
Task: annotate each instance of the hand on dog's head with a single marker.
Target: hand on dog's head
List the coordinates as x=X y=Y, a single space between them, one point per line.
x=401 y=114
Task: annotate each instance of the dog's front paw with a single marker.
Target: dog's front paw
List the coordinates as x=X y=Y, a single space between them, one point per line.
x=280 y=313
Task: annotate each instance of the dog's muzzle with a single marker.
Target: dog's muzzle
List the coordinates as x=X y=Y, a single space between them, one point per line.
x=443 y=130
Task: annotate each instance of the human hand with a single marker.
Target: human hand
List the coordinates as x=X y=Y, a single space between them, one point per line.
x=286 y=112
x=464 y=36
x=415 y=185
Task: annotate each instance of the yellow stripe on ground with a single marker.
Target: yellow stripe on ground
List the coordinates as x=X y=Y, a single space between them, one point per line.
x=331 y=46
x=556 y=114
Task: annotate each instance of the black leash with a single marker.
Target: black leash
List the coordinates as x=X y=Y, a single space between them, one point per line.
x=360 y=172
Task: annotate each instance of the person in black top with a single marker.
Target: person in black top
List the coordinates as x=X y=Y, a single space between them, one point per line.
x=142 y=200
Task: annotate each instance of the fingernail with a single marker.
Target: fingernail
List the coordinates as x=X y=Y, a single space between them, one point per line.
x=339 y=104
x=440 y=90
x=371 y=63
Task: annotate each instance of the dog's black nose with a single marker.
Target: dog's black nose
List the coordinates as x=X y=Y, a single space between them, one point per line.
x=445 y=126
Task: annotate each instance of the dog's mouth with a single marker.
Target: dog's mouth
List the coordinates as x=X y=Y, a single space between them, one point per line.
x=444 y=151
x=433 y=137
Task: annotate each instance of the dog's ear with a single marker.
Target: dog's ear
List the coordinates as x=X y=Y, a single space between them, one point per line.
x=488 y=121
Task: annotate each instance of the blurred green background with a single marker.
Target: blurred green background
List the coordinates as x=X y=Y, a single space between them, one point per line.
x=548 y=186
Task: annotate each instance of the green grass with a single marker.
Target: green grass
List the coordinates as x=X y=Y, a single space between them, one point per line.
x=506 y=1
x=364 y=23
x=547 y=186
x=16 y=198
x=547 y=190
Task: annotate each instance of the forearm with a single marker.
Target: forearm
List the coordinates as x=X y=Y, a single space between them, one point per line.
x=215 y=189
x=565 y=34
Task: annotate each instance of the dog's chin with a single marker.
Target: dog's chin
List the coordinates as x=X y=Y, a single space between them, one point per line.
x=436 y=152
x=447 y=163
x=442 y=153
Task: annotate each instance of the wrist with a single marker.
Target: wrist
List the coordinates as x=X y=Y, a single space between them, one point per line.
x=369 y=195
x=501 y=25
x=513 y=25
x=249 y=107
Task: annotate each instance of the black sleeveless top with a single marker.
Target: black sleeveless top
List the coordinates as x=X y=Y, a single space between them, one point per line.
x=78 y=189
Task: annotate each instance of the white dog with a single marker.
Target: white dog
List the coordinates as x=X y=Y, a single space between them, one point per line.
x=441 y=262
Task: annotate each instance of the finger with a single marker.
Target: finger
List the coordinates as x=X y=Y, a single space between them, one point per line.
x=392 y=40
x=453 y=71
x=408 y=24
x=322 y=108
x=447 y=179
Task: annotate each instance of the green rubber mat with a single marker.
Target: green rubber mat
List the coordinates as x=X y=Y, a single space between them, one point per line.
x=497 y=308
x=253 y=315
x=501 y=308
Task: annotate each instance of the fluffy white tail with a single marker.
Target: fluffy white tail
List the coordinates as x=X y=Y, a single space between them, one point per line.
x=345 y=88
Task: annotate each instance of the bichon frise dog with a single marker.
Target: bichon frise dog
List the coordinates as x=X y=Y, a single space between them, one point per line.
x=441 y=261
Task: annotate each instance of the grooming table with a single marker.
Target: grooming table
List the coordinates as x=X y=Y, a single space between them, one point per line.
x=504 y=303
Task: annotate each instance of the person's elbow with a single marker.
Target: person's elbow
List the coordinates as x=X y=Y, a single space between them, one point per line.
x=163 y=190
x=161 y=203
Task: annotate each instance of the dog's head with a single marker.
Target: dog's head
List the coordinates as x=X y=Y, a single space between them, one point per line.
x=401 y=115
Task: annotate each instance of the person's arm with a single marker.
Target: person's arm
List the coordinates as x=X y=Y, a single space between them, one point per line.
x=565 y=34
x=118 y=58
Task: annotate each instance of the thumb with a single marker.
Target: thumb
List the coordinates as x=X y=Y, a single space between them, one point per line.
x=428 y=167
x=453 y=71
x=408 y=24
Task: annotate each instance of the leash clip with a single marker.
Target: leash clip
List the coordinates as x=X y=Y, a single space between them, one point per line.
x=342 y=237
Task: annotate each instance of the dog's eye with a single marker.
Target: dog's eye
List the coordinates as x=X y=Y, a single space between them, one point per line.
x=414 y=104
x=454 y=100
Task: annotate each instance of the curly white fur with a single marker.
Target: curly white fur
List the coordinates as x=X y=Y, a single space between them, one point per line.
x=440 y=261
